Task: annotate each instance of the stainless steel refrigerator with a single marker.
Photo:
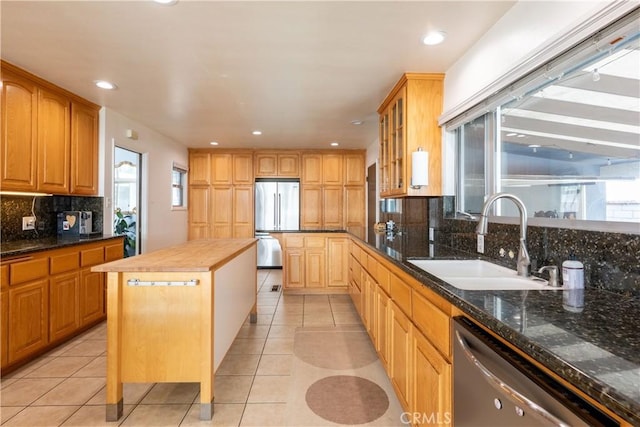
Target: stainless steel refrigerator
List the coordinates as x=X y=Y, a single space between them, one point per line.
x=277 y=204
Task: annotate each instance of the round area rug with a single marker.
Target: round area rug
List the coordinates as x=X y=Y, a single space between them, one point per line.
x=333 y=350
x=345 y=399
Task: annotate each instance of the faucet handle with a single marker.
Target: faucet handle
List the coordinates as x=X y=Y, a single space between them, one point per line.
x=553 y=274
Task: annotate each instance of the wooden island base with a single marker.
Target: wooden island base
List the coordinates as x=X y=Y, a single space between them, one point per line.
x=173 y=314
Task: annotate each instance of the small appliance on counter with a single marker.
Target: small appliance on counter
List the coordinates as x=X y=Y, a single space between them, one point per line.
x=75 y=223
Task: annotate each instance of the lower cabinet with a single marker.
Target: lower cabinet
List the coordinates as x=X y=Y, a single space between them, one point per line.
x=28 y=319
x=400 y=354
x=64 y=305
x=314 y=266
x=381 y=325
x=4 y=333
x=294 y=268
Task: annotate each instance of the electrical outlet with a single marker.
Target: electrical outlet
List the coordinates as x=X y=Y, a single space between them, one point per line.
x=28 y=223
x=431 y=234
x=480 y=243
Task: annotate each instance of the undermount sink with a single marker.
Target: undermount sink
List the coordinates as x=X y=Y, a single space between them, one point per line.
x=479 y=275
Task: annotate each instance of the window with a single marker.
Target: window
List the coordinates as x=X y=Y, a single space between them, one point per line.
x=178 y=180
x=566 y=138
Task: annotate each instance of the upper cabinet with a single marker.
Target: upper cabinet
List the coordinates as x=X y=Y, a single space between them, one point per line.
x=49 y=137
x=409 y=121
x=281 y=165
x=199 y=168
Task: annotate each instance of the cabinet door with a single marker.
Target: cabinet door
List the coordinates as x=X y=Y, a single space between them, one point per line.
x=222 y=212
x=289 y=165
x=383 y=154
x=382 y=304
x=64 y=300
x=84 y=149
x=243 y=169
x=311 y=208
x=314 y=268
x=266 y=165
x=400 y=353
x=312 y=169
x=338 y=257
x=332 y=206
x=432 y=392
x=19 y=133
x=294 y=268
x=354 y=170
x=332 y=165
x=28 y=319
x=397 y=143
x=199 y=201
x=4 y=332
x=243 y=211
x=91 y=296
x=221 y=169
x=199 y=169
x=54 y=142
x=354 y=210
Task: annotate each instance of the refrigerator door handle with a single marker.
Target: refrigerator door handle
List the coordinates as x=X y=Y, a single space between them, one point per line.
x=279 y=211
x=275 y=212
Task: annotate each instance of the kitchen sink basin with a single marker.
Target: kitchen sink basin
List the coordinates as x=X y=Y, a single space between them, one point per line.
x=479 y=275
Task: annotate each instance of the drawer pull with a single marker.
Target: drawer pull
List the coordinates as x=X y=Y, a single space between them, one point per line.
x=136 y=282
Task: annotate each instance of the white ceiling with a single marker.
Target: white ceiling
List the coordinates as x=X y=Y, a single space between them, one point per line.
x=201 y=71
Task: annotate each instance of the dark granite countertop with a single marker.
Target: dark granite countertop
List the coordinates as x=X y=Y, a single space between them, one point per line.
x=597 y=350
x=300 y=231
x=25 y=247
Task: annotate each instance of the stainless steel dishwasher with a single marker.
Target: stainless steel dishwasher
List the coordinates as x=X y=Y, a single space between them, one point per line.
x=494 y=386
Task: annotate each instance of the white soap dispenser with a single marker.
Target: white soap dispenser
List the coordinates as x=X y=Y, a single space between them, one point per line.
x=573 y=284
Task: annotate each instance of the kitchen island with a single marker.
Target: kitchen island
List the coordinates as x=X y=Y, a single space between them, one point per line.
x=172 y=315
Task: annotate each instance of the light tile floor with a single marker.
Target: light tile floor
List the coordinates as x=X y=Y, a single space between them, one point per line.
x=66 y=387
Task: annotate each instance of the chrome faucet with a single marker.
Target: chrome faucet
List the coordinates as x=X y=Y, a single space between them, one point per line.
x=523 y=261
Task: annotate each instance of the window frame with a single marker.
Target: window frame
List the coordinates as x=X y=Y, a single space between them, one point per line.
x=182 y=186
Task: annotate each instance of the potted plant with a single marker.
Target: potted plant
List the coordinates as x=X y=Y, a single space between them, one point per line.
x=125 y=225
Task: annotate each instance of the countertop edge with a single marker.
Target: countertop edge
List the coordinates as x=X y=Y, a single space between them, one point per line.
x=57 y=245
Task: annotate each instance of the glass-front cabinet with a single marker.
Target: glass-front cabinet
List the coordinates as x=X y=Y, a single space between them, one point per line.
x=409 y=121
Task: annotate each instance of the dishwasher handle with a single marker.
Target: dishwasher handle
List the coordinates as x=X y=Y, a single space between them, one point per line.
x=500 y=385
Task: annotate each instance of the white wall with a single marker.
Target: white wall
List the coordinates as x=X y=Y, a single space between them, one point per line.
x=161 y=225
x=527 y=36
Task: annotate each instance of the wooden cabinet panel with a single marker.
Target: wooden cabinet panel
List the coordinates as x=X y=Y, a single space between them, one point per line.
x=63 y=262
x=354 y=170
x=4 y=277
x=84 y=149
x=4 y=328
x=28 y=319
x=92 y=293
x=433 y=322
x=221 y=169
x=354 y=210
x=294 y=241
x=18 y=132
x=400 y=354
x=381 y=327
x=92 y=256
x=54 y=142
x=332 y=165
x=266 y=165
x=289 y=165
x=332 y=206
x=294 y=268
x=311 y=169
x=222 y=212
x=199 y=169
x=243 y=211
x=285 y=165
x=25 y=271
x=311 y=208
x=64 y=300
x=243 y=169
x=432 y=392
x=199 y=212
x=314 y=268
x=113 y=251
x=338 y=256
x=400 y=293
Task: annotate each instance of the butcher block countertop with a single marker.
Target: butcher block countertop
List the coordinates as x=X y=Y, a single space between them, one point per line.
x=195 y=255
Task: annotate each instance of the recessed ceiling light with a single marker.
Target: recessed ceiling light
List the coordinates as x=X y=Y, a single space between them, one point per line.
x=535 y=145
x=512 y=134
x=434 y=37
x=103 y=84
x=257 y=132
x=520 y=135
x=357 y=122
x=166 y=2
x=334 y=144
x=213 y=143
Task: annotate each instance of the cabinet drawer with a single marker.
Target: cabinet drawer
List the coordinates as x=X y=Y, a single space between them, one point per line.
x=383 y=278
x=400 y=293
x=355 y=251
x=90 y=257
x=432 y=322
x=113 y=252
x=314 y=242
x=294 y=241
x=64 y=262
x=372 y=267
x=25 y=271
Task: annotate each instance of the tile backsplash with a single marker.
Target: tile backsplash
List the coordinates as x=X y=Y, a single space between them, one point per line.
x=13 y=208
